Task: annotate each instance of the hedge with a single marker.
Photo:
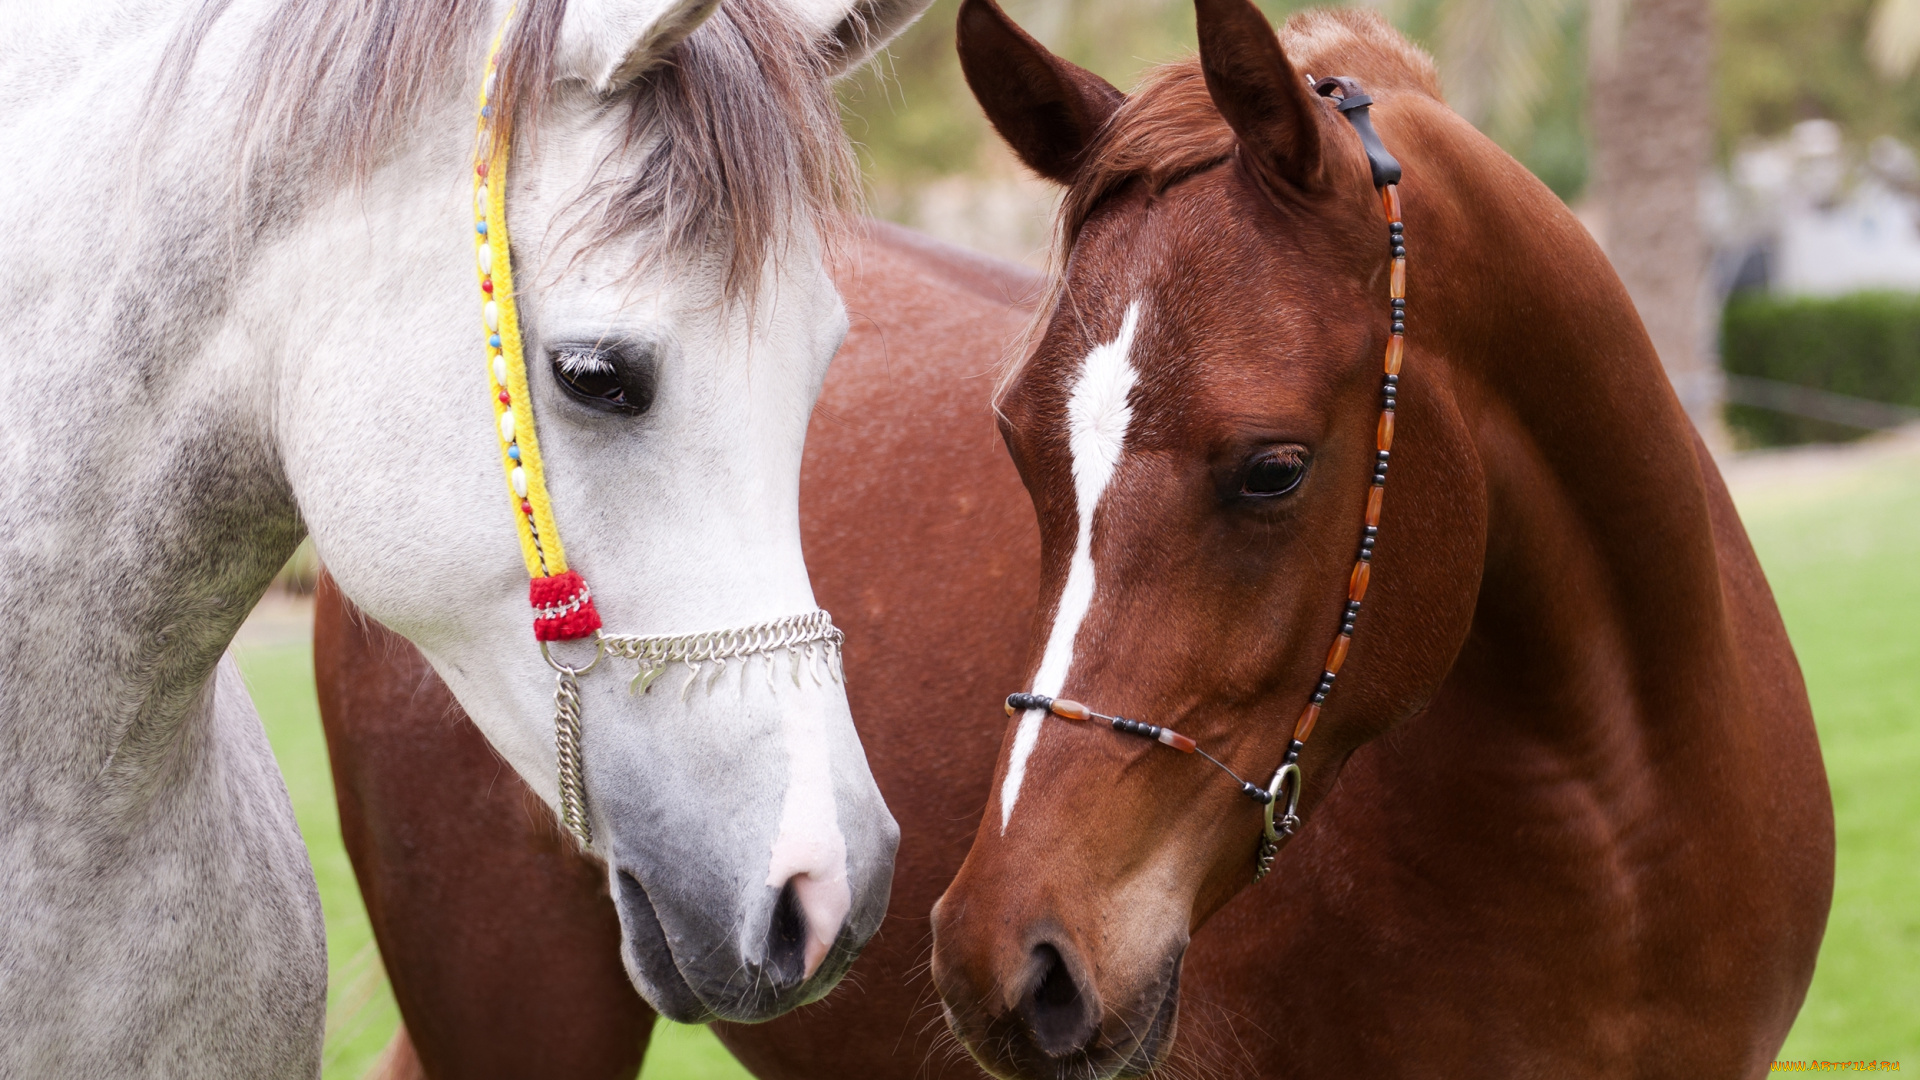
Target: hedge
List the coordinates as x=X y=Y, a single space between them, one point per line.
x=1864 y=345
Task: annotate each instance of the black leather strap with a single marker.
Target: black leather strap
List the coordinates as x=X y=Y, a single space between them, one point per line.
x=1352 y=103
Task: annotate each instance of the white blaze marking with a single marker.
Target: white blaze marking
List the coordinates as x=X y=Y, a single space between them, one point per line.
x=1097 y=420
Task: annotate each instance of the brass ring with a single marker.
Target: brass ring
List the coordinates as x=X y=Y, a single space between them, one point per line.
x=1274 y=786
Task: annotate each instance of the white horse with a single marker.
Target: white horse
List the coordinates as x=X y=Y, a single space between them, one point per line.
x=240 y=305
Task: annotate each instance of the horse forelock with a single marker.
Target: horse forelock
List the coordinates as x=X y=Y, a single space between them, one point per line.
x=737 y=130
x=1169 y=129
x=743 y=134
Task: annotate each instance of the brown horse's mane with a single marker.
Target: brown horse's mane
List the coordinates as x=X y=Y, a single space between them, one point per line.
x=1168 y=128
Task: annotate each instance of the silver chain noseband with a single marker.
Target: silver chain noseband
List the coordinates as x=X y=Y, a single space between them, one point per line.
x=810 y=640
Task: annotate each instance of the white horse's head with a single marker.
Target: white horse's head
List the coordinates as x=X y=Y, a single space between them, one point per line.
x=671 y=198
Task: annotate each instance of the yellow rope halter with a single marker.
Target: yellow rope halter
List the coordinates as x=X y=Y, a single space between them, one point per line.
x=563 y=604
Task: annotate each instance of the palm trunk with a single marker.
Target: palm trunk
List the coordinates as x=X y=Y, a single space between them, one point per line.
x=1652 y=114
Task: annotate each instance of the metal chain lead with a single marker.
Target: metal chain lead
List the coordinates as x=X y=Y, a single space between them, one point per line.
x=566 y=746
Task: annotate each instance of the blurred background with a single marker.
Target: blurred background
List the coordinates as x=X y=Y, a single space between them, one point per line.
x=1762 y=148
x=1749 y=166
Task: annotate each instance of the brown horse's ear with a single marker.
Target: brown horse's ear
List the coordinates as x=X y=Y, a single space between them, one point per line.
x=1267 y=103
x=1047 y=109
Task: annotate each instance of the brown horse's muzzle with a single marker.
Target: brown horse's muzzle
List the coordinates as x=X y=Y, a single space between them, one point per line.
x=1038 y=990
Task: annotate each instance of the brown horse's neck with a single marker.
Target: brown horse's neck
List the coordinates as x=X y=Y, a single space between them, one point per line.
x=1601 y=625
x=1624 y=733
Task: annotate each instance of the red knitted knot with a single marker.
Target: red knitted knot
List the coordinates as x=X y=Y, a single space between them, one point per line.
x=562 y=607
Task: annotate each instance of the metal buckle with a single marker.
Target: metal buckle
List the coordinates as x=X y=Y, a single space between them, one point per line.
x=1290 y=821
x=1286 y=777
x=599 y=653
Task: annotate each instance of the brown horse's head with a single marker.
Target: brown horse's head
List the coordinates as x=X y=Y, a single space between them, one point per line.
x=1197 y=426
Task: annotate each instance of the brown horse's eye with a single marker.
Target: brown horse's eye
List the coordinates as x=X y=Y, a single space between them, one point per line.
x=1275 y=474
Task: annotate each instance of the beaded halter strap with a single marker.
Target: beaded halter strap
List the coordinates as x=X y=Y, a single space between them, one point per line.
x=562 y=603
x=1352 y=102
x=563 y=607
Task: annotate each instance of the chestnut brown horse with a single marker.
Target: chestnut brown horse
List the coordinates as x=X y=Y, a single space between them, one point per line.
x=1565 y=813
x=499 y=938
x=1580 y=824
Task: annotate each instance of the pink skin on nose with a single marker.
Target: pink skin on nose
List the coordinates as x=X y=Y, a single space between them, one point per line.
x=824 y=902
x=809 y=848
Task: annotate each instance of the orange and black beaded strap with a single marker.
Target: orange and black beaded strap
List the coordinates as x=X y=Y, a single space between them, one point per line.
x=1352 y=102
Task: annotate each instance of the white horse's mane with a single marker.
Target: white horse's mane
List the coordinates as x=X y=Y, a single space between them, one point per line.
x=739 y=128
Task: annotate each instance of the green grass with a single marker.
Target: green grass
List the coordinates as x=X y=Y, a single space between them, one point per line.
x=1841 y=554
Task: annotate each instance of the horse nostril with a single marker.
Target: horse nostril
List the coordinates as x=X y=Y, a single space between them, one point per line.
x=787 y=940
x=1055 y=1010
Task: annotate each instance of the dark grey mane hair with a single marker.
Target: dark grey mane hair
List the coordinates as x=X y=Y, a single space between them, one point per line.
x=739 y=123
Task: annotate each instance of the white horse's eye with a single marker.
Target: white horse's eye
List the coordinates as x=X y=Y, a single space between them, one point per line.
x=612 y=379
x=582 y=363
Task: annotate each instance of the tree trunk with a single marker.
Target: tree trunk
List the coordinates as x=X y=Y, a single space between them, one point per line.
x=1651 y=102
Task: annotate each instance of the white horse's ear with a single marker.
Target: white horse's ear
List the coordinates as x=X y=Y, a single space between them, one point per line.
x=610 y=43
x=851 y=31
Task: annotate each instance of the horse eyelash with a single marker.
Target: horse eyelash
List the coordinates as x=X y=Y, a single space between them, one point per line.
x=582 y=362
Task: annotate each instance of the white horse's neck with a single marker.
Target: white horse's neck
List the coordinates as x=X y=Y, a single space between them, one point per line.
x=150 y=869
x=145 y=504
x=145 y=510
